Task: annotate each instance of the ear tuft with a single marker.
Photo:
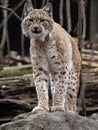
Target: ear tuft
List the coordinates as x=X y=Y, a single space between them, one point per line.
x=27 y=8
x=48 y=9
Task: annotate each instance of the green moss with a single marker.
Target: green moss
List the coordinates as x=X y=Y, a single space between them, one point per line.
x=89 y=102
x=16 y=71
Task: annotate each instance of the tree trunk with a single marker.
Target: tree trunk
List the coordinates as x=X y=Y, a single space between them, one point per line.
x=61 y=12
x=68 y=15
x=81 y=40
x=4 y=34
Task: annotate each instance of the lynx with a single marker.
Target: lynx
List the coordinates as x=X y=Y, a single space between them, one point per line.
x=55 y=60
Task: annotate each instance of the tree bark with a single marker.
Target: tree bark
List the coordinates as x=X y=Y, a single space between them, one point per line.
x=81 y=40
x=84 y=19
x=4 y=34
x=68 y=15
x=61 y=12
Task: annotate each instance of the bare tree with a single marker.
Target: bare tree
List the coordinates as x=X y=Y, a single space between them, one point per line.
x=43 y=3
x=12 y=11
x=22 y=46
x=81 y=40
x=5 y=31
x=84 y=18
x=61 y=12
x=68 y=15
x=5 y=36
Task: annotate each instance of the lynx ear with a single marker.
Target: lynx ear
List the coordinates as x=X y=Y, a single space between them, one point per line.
x=27 y=8
x=48 y=9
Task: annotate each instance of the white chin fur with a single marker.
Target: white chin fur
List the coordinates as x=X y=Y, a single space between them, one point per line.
x=40 y=36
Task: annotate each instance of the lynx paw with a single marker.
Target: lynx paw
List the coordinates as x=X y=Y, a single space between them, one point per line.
x=39 y=109
x=57 y=108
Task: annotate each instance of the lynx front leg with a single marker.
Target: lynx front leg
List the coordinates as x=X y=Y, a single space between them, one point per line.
x=40 y=76
x=58 y=89
x=41 y=83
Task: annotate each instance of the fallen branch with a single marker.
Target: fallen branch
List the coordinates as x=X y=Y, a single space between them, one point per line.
x=16 y=71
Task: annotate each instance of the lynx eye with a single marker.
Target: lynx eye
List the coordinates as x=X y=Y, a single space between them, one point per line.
x=42 y=20
x=31 y=20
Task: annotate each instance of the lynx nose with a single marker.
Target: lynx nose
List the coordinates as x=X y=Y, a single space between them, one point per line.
x=36 y=30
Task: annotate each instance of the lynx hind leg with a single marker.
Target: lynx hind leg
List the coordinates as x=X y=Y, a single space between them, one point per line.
x=71 y=92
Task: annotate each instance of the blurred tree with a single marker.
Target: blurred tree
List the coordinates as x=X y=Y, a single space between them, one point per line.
x=5 y=38
x=68 y=16
x=61 y=12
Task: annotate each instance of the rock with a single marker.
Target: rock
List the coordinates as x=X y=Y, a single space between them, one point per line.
x=7 y=105
x=10 y=108
x=94 y=116
x=50 y=121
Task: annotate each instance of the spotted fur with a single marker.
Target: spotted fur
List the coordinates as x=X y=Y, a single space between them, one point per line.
x=55 y=60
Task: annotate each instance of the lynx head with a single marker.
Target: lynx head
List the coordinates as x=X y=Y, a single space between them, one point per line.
x=37 y=23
